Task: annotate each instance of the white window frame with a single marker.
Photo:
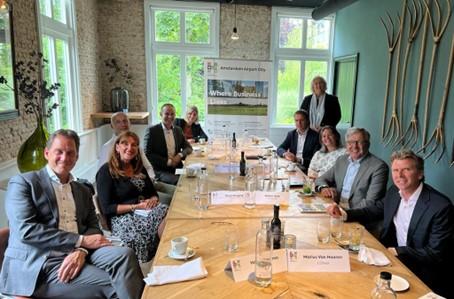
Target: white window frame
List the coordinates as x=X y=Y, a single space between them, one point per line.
x=183 y=49
x=68 y=33
x=299 y=54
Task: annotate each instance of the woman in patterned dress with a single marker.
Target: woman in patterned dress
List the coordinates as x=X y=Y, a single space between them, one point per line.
x=128 y=199
x=331 y=149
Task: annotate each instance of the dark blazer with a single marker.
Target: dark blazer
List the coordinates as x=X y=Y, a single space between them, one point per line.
x=156 y=149
x=33 y=217
x=332 y=109
x=430 y=233
x=311 y=145
x=197 y=131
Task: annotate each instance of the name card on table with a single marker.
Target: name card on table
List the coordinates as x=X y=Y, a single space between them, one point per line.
x=239 y=197
x=243 y=266
x=318 y=260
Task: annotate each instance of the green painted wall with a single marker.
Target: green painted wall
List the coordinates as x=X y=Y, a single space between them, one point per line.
x=359 y=30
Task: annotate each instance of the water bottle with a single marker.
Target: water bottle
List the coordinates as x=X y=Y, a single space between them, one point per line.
x=383 y=288
x=263 y=256
x=244 y=138
x=260 y=172
x=274 y=167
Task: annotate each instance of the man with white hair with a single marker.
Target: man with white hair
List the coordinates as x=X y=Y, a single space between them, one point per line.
x=120 y=123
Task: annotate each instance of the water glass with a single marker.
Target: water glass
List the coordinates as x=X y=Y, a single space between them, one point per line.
x=335 y=227
x=290 y=241
x=202 y=200
x=323 y=231
x=356 y=235
x=344 y=239
x=231 y=238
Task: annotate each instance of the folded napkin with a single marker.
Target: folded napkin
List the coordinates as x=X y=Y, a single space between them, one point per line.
x=142 y=213
x=170 y=274
x=372 y=256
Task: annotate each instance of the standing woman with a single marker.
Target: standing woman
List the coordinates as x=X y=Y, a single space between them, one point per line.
x=325 y=158
x=192 y=130
x=323 y=108
x=124 y=187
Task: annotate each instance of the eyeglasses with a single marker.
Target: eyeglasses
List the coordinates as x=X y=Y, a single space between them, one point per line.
x=356 y=142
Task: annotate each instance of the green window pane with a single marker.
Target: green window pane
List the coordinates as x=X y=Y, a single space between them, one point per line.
x=45 y=8
x=288 y=89
x=195 y=84
x=59 y=10
x=290 y=33
x=7 y=101
x=167 y=26
x=318 y=34
x=62 y=78
x=312 y=69
x=169 y=81
x=197 y=28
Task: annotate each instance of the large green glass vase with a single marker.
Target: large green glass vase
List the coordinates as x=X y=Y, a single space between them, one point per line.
x=31 y=152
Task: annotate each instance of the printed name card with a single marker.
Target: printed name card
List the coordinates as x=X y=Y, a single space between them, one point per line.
x=318 y=260
x=270 y=198
x=229 y=197
x=244 y=266
x=239 y=197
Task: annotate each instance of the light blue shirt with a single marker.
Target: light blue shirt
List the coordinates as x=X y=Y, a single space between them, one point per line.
x=352 y=171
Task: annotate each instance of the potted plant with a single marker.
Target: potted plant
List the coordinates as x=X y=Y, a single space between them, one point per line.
x=119 y=76
x=37 y=95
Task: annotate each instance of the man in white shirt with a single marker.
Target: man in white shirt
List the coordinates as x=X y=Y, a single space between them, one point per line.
x=55 y=248
x=418 y=222
x=166 y=147
x=301 y=143
x=120 y=123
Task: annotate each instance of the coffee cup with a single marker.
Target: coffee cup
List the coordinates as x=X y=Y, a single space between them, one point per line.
x=191 y=172
x=179 y=245
x=197 y=151
x=291 y=167
x=202 y=140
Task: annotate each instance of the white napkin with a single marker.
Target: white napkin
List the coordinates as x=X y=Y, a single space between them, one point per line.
x=372 y=256
x=169 y=274
x=431 y=295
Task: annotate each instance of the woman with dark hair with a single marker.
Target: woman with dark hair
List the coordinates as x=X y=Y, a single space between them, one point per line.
x=192 y=130
x=128 y=199
x=331 y=149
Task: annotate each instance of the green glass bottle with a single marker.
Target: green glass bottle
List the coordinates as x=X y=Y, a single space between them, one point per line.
x=31 y=152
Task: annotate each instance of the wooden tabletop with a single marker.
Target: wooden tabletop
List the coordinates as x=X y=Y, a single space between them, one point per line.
x=205 y=230
x=206 y=236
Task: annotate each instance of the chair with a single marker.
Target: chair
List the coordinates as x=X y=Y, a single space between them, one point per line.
x=4 y=235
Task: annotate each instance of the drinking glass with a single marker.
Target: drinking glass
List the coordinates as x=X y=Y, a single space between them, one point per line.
x=356 y=235
x=323 y=231
x=290 y=241
x=231 y=238
x=249 y=200
x=344 y=238
x=335 y=227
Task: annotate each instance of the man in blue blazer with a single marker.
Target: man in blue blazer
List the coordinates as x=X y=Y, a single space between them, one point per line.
x=418 y=222
x=301 y=143
x=55 y=247
x=166 y=146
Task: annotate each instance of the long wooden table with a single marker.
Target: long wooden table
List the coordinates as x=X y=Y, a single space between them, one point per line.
x=205 y=230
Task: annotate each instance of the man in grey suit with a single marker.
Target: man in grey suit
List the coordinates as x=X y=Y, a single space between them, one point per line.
x=357 y=179
x=56 y=248
x=166 y=146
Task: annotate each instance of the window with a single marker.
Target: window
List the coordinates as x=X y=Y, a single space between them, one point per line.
x=301 y=50
x=57 y=31
x=179 y=36
x=8 y=104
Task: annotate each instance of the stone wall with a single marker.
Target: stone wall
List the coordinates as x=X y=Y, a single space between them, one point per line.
x=122 y=36
x=89 y=63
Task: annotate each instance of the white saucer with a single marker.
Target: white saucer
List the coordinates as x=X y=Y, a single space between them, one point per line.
x=399 y=284
x=189 y=253
x=306 y=194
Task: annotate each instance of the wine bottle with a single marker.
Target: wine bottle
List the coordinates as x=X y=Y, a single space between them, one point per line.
x=242 y=165
x=276 y=228
x=234 y=141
